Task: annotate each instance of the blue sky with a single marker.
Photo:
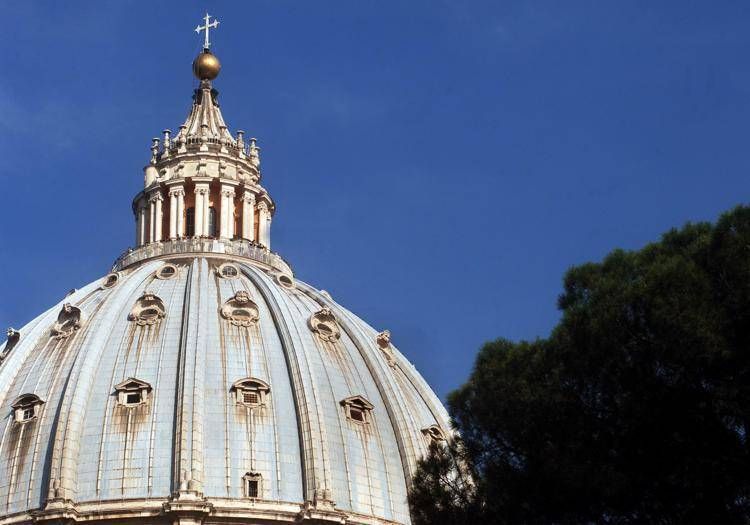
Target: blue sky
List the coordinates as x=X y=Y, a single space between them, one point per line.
x=437 y=166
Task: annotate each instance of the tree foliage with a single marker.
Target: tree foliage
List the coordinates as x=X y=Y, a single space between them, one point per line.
x=636 y=409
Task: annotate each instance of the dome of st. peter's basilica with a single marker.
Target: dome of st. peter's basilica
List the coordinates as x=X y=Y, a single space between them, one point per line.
x=200 y=381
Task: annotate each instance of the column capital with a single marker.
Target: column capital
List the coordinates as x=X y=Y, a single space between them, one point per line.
x=262 y=206
x=201 y=190
x=155 y=196
x=227 y=191
x=248 y=196
x=176 y=191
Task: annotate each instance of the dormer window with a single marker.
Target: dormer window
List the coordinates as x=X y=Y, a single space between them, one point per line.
x=26 y=407
x=252 y=484
x=148 y=310
x=357 y=409
x=251 y=392
x=323 y=323
x=240 y=310
x=132 y=392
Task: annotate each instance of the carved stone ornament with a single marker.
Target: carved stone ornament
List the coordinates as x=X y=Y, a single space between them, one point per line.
x=433 y=434
x=240 y=310
x=13 y=337
x=323 y=323
x=68 y=321
x=148 y=310
x=384 y=343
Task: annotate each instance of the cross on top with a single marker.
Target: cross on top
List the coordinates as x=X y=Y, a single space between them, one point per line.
x=208 y=25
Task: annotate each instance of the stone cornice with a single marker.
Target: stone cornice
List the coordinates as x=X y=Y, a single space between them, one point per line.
x=193 y=507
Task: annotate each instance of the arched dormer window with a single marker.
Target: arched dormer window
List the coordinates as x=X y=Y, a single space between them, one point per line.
x=252 y=485
x=132 y=392
x=357 y=409
x=148 y=310
x=240 y=310
x=251 y=392
x=26 y=407
x=68 y=321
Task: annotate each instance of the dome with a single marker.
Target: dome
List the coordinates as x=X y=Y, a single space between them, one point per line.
x=188 y=375
x=200 y=381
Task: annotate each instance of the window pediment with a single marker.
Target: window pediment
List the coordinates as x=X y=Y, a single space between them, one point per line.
x=132 y=392
x=251 y=392
x=357 y=409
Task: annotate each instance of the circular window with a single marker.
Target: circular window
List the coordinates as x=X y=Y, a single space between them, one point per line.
x=285 y=280
x=324 y=329
x=228 y=271
x=110 y=280
x=167 y=271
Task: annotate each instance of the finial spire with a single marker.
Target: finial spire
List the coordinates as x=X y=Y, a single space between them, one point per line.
x=208 y=25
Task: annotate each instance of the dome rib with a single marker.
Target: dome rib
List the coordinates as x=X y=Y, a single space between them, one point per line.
x=307 y=451
x=63 y=468
x=321 y=301
x=386 y=390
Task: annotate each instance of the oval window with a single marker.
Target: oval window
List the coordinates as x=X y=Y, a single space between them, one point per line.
x=167 y=271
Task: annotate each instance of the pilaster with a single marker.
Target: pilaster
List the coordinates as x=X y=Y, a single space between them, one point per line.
x=248 y=215
x=201 y=209
x=226 y=229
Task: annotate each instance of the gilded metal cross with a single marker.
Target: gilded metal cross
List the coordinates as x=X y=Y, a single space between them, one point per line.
x=206 y=27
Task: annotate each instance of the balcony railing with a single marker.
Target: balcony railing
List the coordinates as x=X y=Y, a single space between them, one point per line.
x=239 y=248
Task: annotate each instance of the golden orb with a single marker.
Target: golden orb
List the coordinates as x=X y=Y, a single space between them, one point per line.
x=206 y=66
